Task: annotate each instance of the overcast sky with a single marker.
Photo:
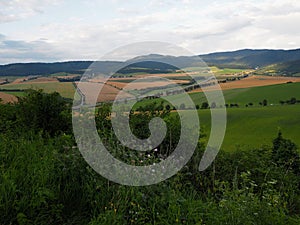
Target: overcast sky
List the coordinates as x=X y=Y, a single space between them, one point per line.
x=61 y=30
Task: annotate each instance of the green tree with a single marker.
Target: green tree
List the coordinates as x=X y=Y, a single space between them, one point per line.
x=204 y=105
x=285 y=153
x=265 y=102
x=44 y=112
x=293 y=101
x=168 y=107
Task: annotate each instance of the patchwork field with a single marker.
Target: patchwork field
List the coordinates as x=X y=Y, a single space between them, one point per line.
x=252 y=89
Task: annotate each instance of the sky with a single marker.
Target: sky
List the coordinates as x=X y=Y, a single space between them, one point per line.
x=62 y=30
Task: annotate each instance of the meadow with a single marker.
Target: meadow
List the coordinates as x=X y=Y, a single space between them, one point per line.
x=224 y=71
x=254 y=127
x=250 y=126
x=66 y=89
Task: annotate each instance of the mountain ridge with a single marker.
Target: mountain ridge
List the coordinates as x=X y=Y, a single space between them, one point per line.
x=243 y=58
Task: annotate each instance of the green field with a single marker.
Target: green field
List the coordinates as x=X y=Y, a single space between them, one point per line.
x=246 y=127
x=253 y=126
x=66 y=89
x=273 y=94
x=243 y=96
x=257 y=126
x=218 y=71
x=15 y=93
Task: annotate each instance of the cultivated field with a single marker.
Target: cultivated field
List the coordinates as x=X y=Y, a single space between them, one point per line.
x=6 y=98
x=254 y=81
x=91 y=91
x=66 y=89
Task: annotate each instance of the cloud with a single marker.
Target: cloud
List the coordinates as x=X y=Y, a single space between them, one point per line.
x=14 y=10
x=200 y=26
x=22 y=51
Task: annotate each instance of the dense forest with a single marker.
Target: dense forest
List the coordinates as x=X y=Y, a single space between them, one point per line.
x=45 y=180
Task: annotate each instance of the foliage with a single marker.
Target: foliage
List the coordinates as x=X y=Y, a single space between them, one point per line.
x=43 y=112
x=285 y=154
x=45 y=180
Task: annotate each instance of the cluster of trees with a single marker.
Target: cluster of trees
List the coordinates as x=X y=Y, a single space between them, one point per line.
x=291 y=101
x=38 y=111
x=206 y=105
x=45 y=180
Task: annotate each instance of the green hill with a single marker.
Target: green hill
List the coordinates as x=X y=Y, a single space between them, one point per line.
x=291 y=68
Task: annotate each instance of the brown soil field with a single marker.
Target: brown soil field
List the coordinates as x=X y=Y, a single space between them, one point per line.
x=108 y=93
x=254 y=81
x=18 y=81
x=6 y=98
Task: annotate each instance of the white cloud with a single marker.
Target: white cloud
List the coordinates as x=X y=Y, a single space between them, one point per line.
x=200 y=26
x=13 y=10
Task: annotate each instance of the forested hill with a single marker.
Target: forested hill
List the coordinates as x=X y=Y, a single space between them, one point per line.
x=246 y=58
x=251 y=58
x=26 y=69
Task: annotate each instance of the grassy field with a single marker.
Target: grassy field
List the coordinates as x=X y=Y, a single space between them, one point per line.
x=253 y=126
x=273 y=94
x=257 y=126
x=218 y=71
x=66 y=89
x=15 y=93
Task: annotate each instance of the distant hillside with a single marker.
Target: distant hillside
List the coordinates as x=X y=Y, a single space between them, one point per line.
x=80 y=67
x=285 y=60
x=291 y=68
x=251 y=58
x=27 y=69
x=151 y=67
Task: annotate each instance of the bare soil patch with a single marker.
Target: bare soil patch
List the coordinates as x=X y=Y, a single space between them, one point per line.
x=91 y=90
x=7 y=98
